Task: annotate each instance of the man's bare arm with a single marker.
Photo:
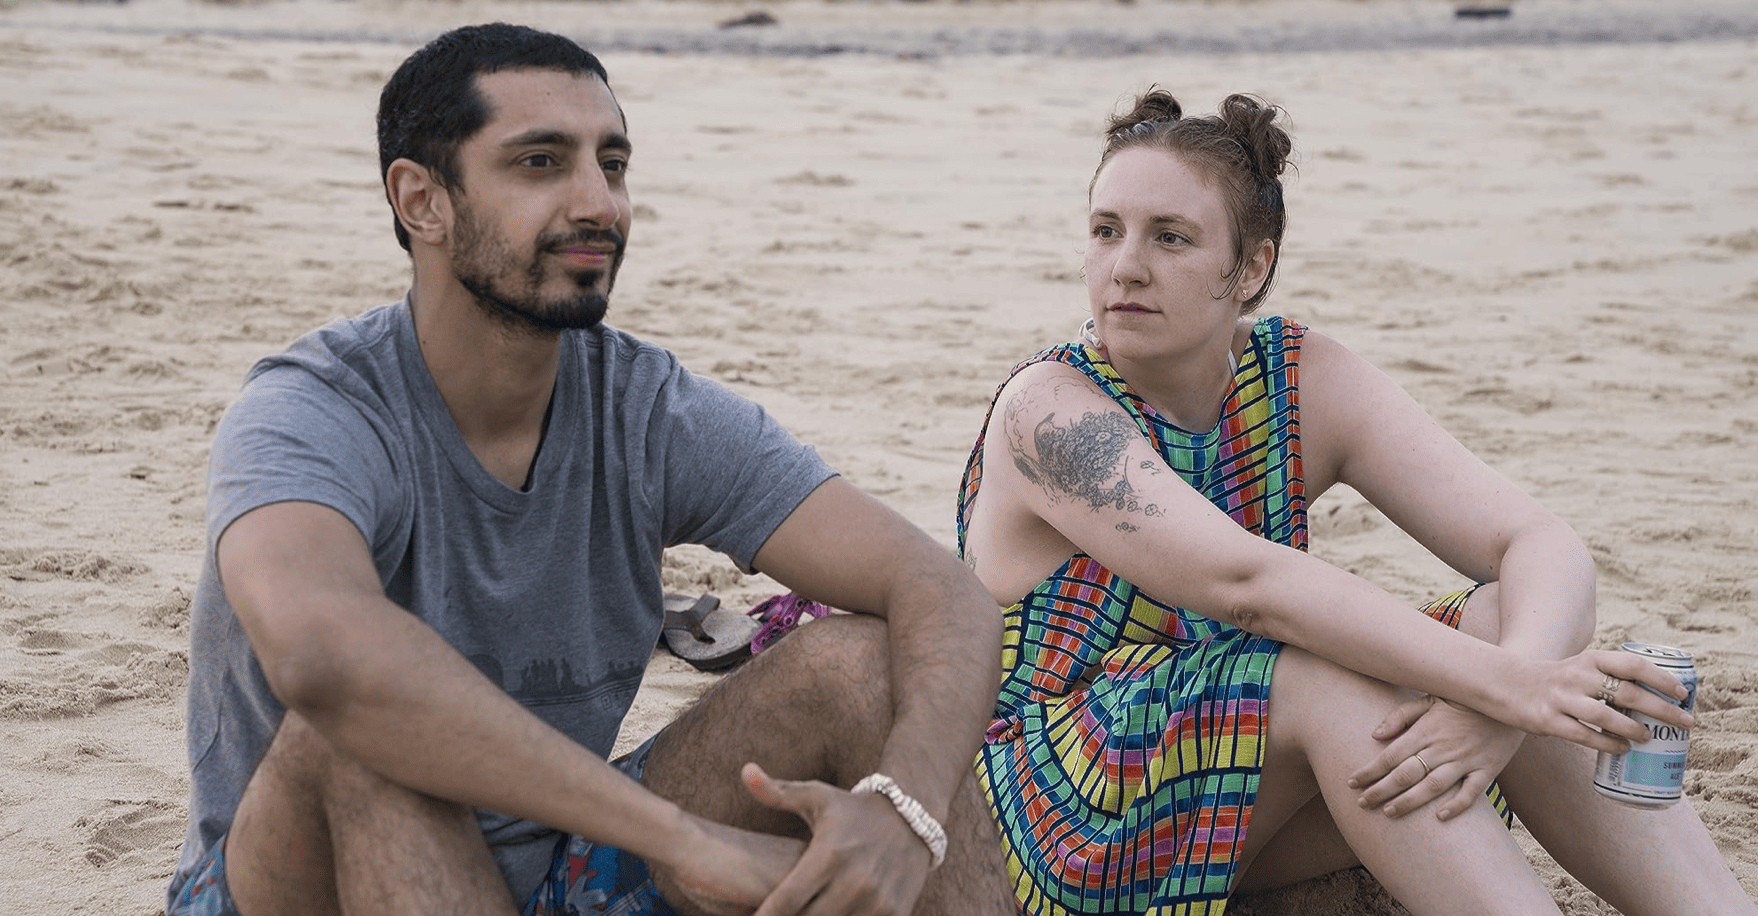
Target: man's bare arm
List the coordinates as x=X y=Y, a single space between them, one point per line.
x=387 y=690
x=843 y=547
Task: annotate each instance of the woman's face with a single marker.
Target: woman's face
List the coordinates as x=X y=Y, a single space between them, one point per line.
x=1159 y=247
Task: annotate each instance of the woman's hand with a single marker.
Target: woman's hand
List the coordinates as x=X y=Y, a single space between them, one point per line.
x=1435 y=746
x=1433 y=749
x=1573 y=699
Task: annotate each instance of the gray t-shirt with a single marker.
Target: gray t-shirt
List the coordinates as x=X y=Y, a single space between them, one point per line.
x=553 y=592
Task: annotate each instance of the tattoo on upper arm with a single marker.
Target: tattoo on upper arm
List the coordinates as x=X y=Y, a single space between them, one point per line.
x=1084 y=459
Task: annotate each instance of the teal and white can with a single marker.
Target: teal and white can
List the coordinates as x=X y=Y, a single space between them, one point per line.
x=1652 y=774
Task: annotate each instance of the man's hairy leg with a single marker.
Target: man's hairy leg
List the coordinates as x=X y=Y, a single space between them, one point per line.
x=317 y=833
x=817 y=705
x=973 y=879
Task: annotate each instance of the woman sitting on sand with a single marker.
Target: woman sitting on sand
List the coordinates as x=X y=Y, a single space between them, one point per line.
x=1178 y=668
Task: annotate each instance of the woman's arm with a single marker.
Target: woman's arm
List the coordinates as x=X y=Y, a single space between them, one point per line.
x=1060 y=451
x=1361 y=429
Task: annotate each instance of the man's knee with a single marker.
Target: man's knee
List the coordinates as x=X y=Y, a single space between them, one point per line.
x=303 y=769
x=309 y=807
x=814 y=705
x=834 y=672
x=297 y=763
x=304 y=761
x=840 y=651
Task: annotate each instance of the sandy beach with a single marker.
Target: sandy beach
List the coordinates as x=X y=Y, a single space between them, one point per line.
x=1545 y=228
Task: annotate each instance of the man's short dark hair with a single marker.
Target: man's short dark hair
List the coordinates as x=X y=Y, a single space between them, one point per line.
x=432 y=104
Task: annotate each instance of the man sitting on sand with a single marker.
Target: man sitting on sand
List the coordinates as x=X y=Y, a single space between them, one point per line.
x=432 y=581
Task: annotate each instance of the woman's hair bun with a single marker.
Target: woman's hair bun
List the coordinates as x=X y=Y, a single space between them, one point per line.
x=1154 y=106
x=1251 y=122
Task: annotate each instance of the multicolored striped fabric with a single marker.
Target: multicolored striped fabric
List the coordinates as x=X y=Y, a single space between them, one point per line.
x=1124 y=756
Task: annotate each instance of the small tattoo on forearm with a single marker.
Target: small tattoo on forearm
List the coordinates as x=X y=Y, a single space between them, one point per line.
x=1126 y=527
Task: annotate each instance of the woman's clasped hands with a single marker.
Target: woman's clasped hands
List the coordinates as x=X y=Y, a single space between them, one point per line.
x=1438 y=749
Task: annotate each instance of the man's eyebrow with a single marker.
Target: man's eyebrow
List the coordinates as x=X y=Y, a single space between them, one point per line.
x=548 y=137
x=542 y=136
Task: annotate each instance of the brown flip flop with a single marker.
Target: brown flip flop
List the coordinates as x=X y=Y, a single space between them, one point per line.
x=700 y=632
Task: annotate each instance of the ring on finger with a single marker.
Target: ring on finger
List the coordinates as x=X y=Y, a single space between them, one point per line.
x=1608 y=689
x=1425 y=767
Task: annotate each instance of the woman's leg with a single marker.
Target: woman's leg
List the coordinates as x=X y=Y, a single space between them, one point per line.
x=1645 y=863
x=1307 y=845
x=1642 y=862
x=1321 y=719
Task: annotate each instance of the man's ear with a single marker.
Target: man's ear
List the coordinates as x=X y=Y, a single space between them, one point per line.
x=422 y=204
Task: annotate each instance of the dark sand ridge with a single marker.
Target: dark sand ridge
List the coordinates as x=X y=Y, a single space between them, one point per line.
x=916 y=30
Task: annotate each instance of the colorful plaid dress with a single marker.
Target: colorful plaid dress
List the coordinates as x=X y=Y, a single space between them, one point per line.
x=1123 y=760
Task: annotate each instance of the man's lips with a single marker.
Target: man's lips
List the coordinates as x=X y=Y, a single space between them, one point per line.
x=587 y=257
x=586 y=249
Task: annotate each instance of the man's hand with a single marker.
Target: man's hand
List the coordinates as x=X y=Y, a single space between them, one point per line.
x=727 y=871
x=863 y=859
x=1460 y=753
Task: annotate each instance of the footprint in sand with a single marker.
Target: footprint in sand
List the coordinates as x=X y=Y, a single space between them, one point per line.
x=35 y=121
x=49 y=641
x=171 y=611
x=70 y=682
x=78 y=565
x=130 y=830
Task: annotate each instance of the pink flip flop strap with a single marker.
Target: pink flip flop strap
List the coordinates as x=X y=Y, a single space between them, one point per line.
x=780 y=615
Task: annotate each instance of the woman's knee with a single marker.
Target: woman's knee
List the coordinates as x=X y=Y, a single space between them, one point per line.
x=1311 y=692
x=1482 y=615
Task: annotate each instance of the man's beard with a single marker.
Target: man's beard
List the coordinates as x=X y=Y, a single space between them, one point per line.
x=485 y=265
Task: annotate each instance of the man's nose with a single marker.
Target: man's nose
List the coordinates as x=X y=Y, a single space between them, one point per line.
x=592 y=201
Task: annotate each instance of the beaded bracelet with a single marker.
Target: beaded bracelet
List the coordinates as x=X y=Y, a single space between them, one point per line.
x=920 y=821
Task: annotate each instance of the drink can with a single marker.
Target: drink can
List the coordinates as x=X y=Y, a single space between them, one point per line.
x=1652 y=774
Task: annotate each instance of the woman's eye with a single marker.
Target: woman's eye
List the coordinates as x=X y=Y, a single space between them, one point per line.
x=1171 y=238
x=1104 y=232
